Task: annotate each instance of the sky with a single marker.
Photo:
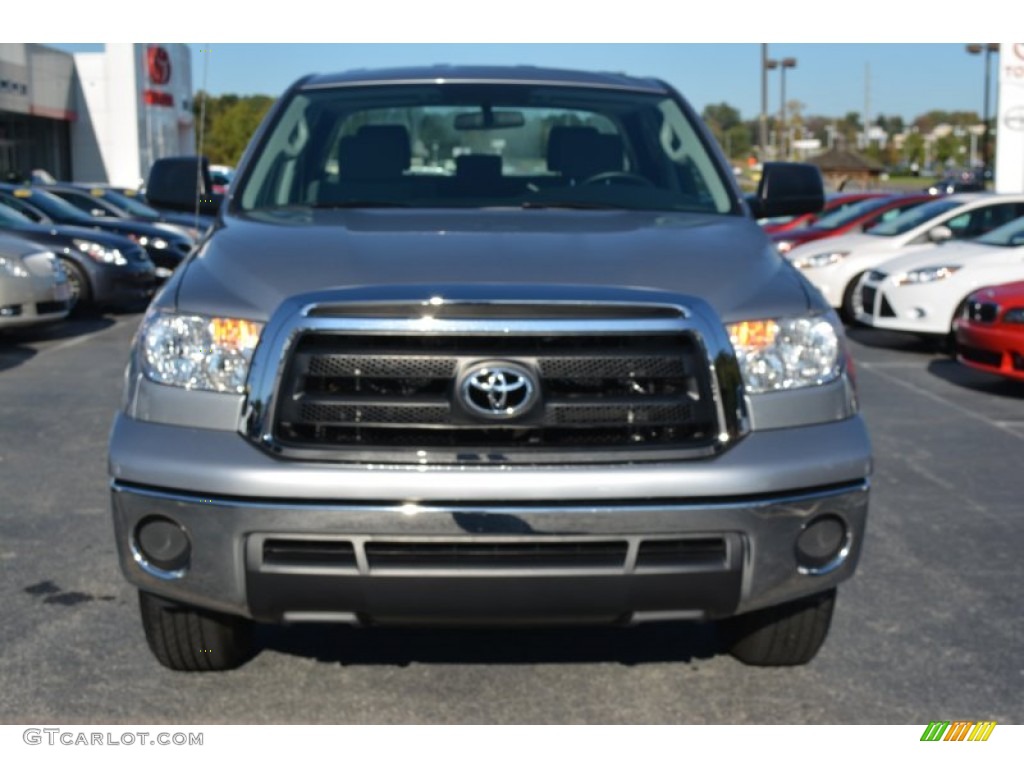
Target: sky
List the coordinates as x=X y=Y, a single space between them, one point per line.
x=892 y=79
x=888 y=57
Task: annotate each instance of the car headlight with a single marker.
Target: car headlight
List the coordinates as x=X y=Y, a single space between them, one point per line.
x=926 y=275
x=100 y=253
x=13 y=267
x=784 y=246
x=820 y=260
x=1015 y=315
x=787 y=353
x=197 y=352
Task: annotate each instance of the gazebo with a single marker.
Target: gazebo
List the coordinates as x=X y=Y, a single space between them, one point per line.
x=846 y=170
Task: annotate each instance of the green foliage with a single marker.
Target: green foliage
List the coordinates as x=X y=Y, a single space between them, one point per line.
x=230 y=122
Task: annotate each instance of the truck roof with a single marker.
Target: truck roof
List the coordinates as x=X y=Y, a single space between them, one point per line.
x=491 y=74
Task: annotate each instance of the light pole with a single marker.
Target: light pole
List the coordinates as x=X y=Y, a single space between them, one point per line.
x=784 y=64
x=768 y=64
x=763 y=137
x=988 y=49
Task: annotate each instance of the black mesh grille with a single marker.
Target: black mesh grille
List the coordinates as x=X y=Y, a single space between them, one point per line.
x=982 y=312
x=867 y=297
x=48 y=307
x=610 y=554
x=397 y=395
x=981 y=356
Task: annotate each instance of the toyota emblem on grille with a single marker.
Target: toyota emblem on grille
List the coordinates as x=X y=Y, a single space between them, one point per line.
x=498 y=390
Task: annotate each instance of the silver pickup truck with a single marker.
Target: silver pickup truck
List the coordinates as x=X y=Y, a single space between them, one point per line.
x=488 y=346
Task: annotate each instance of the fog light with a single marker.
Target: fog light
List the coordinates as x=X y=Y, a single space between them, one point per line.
x=161 y=548
x=823 y=545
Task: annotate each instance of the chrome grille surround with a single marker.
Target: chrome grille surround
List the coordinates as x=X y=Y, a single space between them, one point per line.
x=382 y=326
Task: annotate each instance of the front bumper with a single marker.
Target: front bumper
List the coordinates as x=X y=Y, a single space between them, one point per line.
x=911 y=309
x=992 y=348
x=124 y=285
x=32 y=300
x=281 y=540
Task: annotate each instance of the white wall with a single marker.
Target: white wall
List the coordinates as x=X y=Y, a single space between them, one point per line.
x=1010 y=121
x=119 y=135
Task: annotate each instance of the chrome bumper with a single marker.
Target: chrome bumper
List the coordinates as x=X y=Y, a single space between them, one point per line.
x=231 y=570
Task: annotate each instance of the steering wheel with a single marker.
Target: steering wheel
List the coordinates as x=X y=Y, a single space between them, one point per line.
x=614 y=177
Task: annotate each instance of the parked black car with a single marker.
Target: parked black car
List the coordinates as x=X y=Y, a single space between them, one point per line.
x=107 y=202
x=165 y=249
x=963 y=182
x=103 y=269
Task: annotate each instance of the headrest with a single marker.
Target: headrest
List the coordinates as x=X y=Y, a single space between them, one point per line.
x=478 y=167
x=375 y=152
x=587 y=154
x=559 y=137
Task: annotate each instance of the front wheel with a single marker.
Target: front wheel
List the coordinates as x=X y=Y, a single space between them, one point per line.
x=188 y=639
x=783 y=635
x=78 y=283
x=851 y=302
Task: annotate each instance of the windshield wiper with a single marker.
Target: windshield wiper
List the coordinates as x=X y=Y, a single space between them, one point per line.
x=357 y=204
x=571 y=204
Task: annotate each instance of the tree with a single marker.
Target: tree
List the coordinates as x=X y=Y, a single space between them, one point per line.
x=728 y=128
x=229 y=123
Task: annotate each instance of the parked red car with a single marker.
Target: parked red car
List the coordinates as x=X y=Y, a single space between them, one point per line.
x=832 y=203
x=853 y=218
x=990 y=333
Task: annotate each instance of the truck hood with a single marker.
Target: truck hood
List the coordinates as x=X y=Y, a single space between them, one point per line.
x=252 y=263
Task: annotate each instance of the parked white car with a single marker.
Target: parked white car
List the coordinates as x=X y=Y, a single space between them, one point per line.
x=924 y=291
x=835 y=265
x=33 y=286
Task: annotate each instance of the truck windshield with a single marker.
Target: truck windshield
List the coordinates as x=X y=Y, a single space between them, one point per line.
x=484 y=145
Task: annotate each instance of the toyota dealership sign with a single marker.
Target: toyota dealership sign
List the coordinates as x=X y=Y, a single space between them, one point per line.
x=1010 y=123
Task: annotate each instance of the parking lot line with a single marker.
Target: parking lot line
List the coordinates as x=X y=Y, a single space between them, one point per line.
x=878 y=370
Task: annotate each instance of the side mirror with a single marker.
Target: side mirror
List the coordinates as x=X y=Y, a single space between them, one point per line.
x=788 y=189
x=940 y=234
x=177 y=183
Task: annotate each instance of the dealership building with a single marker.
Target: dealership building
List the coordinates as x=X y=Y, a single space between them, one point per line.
x=94 y=117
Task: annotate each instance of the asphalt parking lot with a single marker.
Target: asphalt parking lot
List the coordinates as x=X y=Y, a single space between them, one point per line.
x=929 y=629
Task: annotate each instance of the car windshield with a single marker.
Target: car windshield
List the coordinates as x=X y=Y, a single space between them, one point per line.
x=914 y=217
x=484 y=145
x=843 y=216
x=11 y=218
x=1009 y=235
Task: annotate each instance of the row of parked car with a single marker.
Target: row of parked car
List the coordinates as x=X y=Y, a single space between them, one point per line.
x=949 y=268
x=67 y=246
x=916 y=263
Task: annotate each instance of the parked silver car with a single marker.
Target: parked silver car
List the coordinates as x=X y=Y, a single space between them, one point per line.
x=33 y=286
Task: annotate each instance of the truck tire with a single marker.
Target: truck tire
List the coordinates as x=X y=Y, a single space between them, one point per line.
x=783 y=635
x=188 y=639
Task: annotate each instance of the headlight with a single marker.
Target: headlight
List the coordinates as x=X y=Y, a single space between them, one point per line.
x=196 y=352
x=100 y=253
x=787 y=353
x=926 y=275
x=1015 y=315
x=784 y=246
x=13 y=267
x=820 y=259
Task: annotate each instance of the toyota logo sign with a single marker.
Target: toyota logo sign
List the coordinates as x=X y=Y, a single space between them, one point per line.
x=498 y=390
x=158 y=62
